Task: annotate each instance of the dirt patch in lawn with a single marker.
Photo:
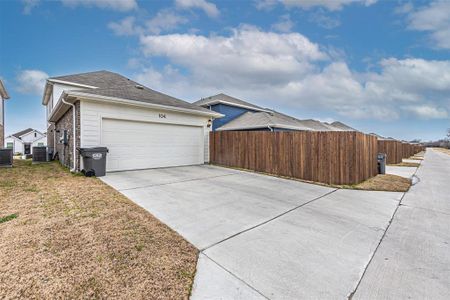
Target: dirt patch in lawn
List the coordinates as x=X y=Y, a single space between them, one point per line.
x=75 y=237
x=406 y=164
x=383 y=182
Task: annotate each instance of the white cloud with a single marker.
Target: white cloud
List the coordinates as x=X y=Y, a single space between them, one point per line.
x=118 y=5
x=284 y=25
x=247 y=55
x=125 y=27
x=295 y=72
x=435 y=19
x=307 y=4
x=31 y=82
x=323 y=20
x=428 y=112
x=28 y=5
x=165 y=20
x=209 y=8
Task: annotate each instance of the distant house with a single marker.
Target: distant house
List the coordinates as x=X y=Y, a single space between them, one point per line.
x=242 y=115
x=23 y=141
x=3 y=96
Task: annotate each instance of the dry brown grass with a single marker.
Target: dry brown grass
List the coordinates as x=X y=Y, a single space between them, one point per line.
x=406 y=164
x=383 y=182
x=75 y=237
x=443 y=150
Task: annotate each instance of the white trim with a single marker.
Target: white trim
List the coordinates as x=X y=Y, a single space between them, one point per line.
x=214 y=102
x=140 y=104
x=72 y=83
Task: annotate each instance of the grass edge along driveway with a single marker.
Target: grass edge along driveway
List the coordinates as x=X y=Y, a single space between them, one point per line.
x=75 y=237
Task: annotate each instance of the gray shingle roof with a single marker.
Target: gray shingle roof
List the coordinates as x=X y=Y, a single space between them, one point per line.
x=250 y=120
x=342 y=126
x=100 y=79
x=20 y=133
x=143 y=94
x=253 y=120
x=111 y=84
x=266 y=117
x=225 y=98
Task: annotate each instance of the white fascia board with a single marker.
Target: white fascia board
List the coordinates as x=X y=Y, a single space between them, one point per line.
x=50 y=83
x=100 y=98
x=213 y=102
x=72 y=83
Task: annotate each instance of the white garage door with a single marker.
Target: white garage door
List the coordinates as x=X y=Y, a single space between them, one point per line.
x=140 y=145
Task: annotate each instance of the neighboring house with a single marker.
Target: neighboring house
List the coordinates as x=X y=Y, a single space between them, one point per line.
x=3 y=96
x=242 y=115
x=23 y=141
x=142 y=128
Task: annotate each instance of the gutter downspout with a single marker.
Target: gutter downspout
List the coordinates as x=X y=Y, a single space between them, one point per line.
x=270 y=128
x=74 y=169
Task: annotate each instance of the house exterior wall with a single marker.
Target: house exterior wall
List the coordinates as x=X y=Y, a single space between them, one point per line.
x=17 y=144
x=93 y=112
x=2 y=136
x=65 y=152
x=2 y=121
x=230 y=112
x=42 y=141
x=31 y=136
x=51 y=136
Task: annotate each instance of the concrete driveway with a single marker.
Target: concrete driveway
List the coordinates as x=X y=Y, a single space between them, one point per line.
x=264 y=237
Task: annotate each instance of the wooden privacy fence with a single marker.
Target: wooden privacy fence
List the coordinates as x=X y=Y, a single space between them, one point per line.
x=327 y=157
x=396 y=150
x=393 y=150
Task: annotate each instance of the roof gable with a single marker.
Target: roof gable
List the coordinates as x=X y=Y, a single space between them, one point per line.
x=228 y=100
x=21 y=133
x=99 y=79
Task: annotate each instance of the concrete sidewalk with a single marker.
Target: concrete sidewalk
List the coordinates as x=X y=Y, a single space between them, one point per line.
x=413 y=260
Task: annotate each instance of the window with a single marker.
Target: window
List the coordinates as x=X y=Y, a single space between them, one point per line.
x=9 y=145
x=35 y=134
x=40 y=144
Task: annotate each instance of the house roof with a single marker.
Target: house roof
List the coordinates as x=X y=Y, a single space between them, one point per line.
x=264 y=117
x=113 y=85
x=253 y=120
x=274 y=119
x=223 y=98
x=342 y=126
x=23 y=132
x=3 y=92
x=99 y=79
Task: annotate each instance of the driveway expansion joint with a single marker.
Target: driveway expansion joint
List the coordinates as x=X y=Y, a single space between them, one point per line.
x=175 y=182
x=350 y=296
x=268 y=221
x=234 y=275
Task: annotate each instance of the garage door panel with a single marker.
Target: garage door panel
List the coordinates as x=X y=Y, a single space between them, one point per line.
x=141 y=145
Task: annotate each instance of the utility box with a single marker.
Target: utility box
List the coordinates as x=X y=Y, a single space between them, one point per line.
x=94 y=161
x=381 y=157
x=6 y=158
x=39 y=154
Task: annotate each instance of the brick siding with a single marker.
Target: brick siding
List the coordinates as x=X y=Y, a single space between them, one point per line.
x=65 y=152
x=2 y=137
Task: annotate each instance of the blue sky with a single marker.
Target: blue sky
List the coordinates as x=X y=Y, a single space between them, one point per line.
x=379 y=66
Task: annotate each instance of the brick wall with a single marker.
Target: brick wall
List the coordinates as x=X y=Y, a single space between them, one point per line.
x=2 y=137
x=65 y=152
x=50 y=134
